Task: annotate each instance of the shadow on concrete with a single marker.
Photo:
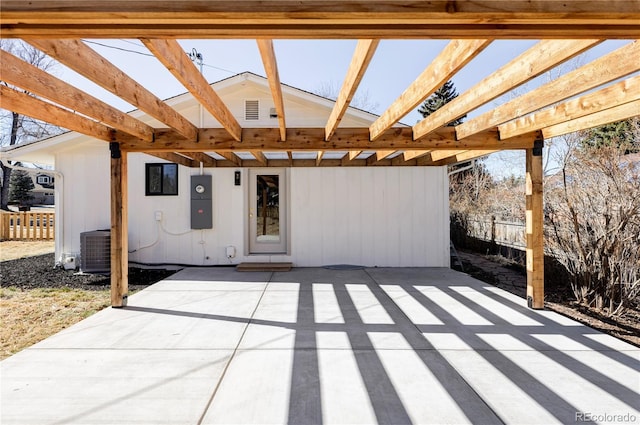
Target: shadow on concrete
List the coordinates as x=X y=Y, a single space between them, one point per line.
x=305 y=398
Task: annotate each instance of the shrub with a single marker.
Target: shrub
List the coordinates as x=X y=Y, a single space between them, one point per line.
x=593 y=217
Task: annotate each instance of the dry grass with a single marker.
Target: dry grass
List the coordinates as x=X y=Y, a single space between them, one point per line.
x=11 y=250
x=29 y=316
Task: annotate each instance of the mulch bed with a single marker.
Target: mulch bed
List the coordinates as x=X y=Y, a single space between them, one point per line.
x=39 y=272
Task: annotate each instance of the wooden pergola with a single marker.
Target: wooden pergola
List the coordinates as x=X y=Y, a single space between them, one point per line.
x=600 y=92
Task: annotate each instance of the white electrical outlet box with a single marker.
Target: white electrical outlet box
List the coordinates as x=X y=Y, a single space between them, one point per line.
x=231 y=251
x=158 y=215
x=69 y=261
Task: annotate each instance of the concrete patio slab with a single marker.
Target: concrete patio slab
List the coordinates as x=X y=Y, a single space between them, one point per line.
x=321 y=346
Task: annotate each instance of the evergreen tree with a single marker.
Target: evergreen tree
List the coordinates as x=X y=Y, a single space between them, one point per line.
x=20 y=187
x=624 y=134
x=437 y=100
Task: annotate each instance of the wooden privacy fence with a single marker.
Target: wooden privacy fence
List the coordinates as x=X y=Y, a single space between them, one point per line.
x=27 y=225
x=505 y=233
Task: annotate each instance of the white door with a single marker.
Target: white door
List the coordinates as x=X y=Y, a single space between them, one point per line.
x=267 y=211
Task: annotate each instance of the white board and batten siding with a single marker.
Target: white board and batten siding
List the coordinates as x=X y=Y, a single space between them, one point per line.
x=371 y=216
x=82 y=204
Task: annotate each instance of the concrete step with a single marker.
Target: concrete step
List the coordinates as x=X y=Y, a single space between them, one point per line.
x=263 y=267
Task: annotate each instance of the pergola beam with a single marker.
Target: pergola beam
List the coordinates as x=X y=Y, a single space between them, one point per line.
x=34 y=80
x=24 y=104
x=268 y=55
x=453 y=57
x=600 y=71
x=312 y=139
x=355 y=19
x=540 y=58
x=88 y=63
x=174 y=58
x=362 y=56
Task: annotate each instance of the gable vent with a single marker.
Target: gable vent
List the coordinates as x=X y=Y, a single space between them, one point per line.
x=251 y=110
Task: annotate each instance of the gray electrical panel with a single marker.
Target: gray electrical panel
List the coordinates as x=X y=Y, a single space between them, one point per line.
x=201 y=202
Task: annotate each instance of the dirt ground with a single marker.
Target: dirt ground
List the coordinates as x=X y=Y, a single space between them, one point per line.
x=11 y=250
x=511 y=277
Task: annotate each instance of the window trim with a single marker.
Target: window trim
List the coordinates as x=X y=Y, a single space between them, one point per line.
x=43 y=179
x=162 y=165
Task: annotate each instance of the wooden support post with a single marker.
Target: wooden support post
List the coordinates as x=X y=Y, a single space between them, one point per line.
x=119 y=227
x=534 y=228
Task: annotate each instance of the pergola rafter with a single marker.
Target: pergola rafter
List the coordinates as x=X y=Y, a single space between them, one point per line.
x=178 y=63
x=365 y=50
x=453 y=58
x=21 y=103
x=201 y=158
x=34 y=80
x=535 y=61
x=78 y=56
x=174 y=157
x=594 y=74
x=268 y=54
x=618 y=94
x=606 y=116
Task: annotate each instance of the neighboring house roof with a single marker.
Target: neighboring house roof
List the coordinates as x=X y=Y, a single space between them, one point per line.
x=43 y=151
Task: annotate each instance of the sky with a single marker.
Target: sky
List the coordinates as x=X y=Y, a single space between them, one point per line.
x=310 y=64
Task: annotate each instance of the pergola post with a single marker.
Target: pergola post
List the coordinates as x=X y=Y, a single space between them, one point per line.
x=535 y=227
x=119 y=227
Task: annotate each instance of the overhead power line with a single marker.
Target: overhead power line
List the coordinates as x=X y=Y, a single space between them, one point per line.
x=108 y=46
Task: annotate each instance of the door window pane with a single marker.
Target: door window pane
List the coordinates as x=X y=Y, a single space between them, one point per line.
x=268 y=208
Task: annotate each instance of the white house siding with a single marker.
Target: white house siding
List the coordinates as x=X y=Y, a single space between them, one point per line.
x=300 y=112
x=372 y=216
x=387 y=216
x=171 y=240
x=86 y=194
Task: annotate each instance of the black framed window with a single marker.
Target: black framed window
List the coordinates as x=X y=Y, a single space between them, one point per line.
x=161 y=179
